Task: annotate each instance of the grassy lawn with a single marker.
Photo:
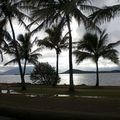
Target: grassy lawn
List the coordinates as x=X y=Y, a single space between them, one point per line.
x=106 y=91
x=58 y=102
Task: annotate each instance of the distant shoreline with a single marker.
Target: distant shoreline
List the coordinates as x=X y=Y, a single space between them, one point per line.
x=15 y=71
x=84 y=72
x=75 y=71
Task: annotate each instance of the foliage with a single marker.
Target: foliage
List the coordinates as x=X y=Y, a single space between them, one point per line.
x=25 y=47
x=56 y=41
x=43 y=73
x=9 y=10
x=49 y=12
x=105 y=14
x=94 y=46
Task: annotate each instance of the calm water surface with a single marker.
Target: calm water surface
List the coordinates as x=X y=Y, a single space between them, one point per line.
x=112 y=79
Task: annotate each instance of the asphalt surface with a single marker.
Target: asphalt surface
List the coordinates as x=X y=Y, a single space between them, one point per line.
x=6 y=118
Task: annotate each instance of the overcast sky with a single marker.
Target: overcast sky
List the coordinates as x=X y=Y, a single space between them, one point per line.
x=113 y=30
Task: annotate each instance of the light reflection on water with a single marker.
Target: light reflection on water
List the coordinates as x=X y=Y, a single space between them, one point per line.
x=78 y=79
x=105 y=79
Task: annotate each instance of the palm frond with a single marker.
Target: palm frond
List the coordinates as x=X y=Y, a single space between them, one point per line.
x=89 y=43
x=11 y=61
x=105 y=14
x=103 y=39
x=34 y=41
x=111 y=55
x=90 y=8
x=111 y=45
x=45 y=42
x=1 y=55
x=36 y=50
x=81 y=55
x=94 y=46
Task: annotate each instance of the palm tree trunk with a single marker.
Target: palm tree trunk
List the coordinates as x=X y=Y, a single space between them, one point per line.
x=71 y=86
x=24 y=68
x=17 y=55
x=97 y=74
x=57 y=60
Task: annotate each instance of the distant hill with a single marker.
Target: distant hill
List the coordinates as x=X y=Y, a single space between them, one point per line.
x=15 y=71
x=115 y=71
x=76 y=71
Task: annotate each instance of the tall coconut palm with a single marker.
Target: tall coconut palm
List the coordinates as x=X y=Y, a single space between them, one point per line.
x=56 y=41
x=48 y=12
x=94 y=46
x=9 y=9
x=25 y=45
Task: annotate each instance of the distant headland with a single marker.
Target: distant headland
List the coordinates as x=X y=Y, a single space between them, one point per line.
x=76 y=71
x=15 y=71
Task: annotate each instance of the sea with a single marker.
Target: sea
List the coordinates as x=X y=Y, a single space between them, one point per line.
x=106 y=79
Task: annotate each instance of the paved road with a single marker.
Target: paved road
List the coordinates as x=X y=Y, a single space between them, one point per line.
x=6 y=118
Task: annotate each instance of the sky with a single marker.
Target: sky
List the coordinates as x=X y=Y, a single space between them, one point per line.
x=49 y=56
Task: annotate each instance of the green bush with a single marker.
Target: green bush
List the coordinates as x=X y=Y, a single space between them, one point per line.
x=44 y=74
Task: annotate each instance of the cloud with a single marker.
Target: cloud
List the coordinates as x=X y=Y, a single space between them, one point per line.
x=77 y=32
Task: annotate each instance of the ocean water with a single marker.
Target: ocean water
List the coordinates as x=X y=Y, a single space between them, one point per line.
x=106 y=79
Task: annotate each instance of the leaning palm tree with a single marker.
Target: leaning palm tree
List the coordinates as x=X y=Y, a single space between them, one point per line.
x=25 y=45
x=56 y=41
x=93 y=46
x=9 y=9
x=48 y=12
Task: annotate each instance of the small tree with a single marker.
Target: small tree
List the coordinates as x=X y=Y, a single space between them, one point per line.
x=44 y=74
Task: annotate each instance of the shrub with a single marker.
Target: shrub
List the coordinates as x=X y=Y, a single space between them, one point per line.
x=44 y=73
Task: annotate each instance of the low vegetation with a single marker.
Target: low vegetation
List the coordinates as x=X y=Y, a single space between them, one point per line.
x=44 y=74
x=41 y=100
x=80 y=90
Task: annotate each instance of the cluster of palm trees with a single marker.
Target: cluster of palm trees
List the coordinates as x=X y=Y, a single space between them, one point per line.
x=46 y=13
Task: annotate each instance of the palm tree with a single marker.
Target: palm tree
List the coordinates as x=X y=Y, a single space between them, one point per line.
x=94 y=46
x=9 y=9
x=54 y=40
x=105 y=14
x=48 y=12
x=25 y=46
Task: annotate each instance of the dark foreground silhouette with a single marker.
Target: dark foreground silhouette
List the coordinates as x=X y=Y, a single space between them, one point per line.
x=42 y=108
